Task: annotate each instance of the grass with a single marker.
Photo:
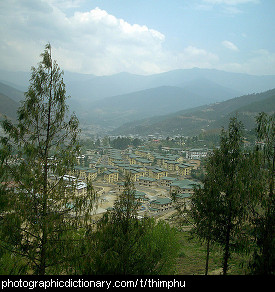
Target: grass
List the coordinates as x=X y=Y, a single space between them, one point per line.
x=192 y=256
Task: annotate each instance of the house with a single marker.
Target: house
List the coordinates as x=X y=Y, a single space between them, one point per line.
x=144 y=162
x=147 y=181
x=185 y=169
x=91 y=174
x=171 y=165
x=184 y=186
x=70 y=181
x=140 y=196
x=143 y=153
x=111 y=175
x=135 y=172
x=80 y=159
x=160 y=204
x=81 y=188
x=100 y=168
x=196 y=153
x=158 y=173
x=132 y=158
x=121 y=186
x=166 y=181
x=121 y=166
x=155 y=172
x=184 y=199
x=80 y=171
x=159 y=159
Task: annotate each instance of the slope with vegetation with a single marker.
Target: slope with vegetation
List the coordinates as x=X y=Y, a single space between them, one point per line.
x=210 y=117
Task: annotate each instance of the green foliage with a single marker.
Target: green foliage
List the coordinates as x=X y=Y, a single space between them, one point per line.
x=235 y=207
x=219 y=209
x=11 y=264
x=263 y=213
x=123 y=142
x=124 y=244
x=36 y=153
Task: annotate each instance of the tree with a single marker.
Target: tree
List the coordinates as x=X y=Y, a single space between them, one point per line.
x=203 y=207
x=220 y=208
x=124 y=244
x=263 y=211
x=36 y=155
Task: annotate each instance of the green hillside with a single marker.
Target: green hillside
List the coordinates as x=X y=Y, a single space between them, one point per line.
x=11 y=92
x=204 y=118
x=162 y=100
x=8 y=107
x=9 y=101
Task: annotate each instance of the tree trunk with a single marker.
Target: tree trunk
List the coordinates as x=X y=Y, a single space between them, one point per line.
x=43 y=250
x=207 y=256
x=226 y=248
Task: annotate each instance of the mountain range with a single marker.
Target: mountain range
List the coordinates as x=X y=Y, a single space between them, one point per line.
x=115 y=100
x=207 y=118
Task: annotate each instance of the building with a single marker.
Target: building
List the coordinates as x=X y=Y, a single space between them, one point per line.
x=171 y=165
x=91 y=174
x=184 y=186
x=81 y=188
x=185 y=169
x=144 y=162
x=160 y=204
x=183 y=199
x=134 y=172
x=196 y=153
x=166 y=181
x=147 y=181
x=140 y=196
x=155 y=172
x=80 y=171
x=111 y=175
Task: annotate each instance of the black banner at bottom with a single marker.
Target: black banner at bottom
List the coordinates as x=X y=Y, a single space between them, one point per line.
x=109 y=283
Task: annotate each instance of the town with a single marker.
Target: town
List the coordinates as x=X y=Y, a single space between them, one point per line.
x=156 y=176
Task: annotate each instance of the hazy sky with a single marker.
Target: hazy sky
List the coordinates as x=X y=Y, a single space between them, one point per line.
x=104 y=37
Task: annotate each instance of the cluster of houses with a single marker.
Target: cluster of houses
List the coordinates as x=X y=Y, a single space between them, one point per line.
x=147 y=168
x=170 y=172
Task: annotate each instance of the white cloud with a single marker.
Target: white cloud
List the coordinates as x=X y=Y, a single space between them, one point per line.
x=89 y=42
x=100 y=43
x=196 y=57
x=92 y=42
x=262 y=62
x=229 y=45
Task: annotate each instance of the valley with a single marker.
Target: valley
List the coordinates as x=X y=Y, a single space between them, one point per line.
x=180 y=102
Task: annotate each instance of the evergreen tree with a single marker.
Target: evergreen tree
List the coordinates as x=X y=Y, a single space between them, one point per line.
x=126 y=245
x=36 y=155
x=203 y=207
x=263 y=210
x=220 y=208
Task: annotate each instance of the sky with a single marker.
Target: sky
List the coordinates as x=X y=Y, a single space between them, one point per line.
x=105 y=37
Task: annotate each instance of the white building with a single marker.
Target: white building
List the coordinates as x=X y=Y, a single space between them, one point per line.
x=197 y=153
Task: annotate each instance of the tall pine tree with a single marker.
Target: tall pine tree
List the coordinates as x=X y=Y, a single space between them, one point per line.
x=220 y=208
x=37 y=154
x=263 y=210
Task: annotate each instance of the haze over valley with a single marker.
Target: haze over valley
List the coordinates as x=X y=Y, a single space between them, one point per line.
x=136 y=104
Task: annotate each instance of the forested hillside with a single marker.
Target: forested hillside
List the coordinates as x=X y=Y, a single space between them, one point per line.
x=209 y=117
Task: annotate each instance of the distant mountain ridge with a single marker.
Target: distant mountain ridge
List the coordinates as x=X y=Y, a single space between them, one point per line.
x=91 y=87
x=8 y=107
x=205 y=118
x=9 y=100
x=161 y=100
x=111 y=101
